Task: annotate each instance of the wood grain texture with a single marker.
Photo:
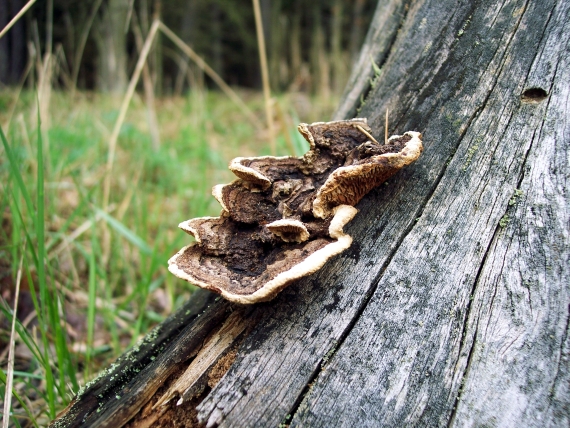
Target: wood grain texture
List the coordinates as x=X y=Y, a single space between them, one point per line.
x=451 y=309
x=452 y=306
x=119 y=391
x=518 y=369
x=456 y=73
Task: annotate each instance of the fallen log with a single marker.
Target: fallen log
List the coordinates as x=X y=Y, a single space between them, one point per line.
x=452 y=305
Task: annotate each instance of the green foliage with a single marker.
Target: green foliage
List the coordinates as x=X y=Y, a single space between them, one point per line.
x=31 y=224
x=90 y=306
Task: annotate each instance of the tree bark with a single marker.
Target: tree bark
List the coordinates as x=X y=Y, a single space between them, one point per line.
x=13 y=44
x=112 y=47
x=452 y=306
x=4 y=44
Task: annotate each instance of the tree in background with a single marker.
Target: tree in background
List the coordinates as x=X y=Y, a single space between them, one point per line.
x=310 y=45
x=111 y=37
x=12 y=46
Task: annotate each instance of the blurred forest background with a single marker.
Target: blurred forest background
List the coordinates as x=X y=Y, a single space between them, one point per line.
x=117 y=117
x=310 y=45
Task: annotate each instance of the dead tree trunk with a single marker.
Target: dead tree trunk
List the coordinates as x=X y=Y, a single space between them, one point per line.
x=452 y=306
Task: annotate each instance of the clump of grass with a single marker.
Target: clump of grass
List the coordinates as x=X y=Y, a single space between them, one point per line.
x=85 y=310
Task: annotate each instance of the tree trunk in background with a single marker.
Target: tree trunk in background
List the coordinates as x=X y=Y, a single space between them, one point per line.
x=320 y=66
x=277 y=42
x=296 y=49
x=268 y=9
x=452 y=306
x=13 y=51
x=18 y=44
x=144 y=13
x=339 y=64
x=216 y=50
x=70 y=37
x=156 y=55
x=357 y=28
x=187 y=28
x=4 y=43
x=188 y=22
x=112 y=47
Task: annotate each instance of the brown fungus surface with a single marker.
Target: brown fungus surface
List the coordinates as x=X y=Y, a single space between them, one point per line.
x=283 y=217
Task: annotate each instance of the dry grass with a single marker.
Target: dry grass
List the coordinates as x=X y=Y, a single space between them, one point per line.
x=101 y=305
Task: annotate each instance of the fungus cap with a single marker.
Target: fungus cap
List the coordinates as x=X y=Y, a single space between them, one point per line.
x=283 y=218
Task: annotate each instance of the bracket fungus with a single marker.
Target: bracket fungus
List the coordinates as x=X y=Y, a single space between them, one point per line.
x=283 y=217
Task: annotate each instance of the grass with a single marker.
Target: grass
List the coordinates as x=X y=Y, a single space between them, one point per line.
x=78 y=310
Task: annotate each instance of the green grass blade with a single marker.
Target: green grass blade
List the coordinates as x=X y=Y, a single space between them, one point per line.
x=127 y=233
x=47 y=302
x=15 y=171
x=22 y=332
x=4 y=379
x=39 y=222
x=15 y=207
x=91 y=299
x=143 y=289
x=28 y=375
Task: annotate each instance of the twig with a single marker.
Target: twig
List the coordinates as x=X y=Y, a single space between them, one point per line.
x=386 y=129
x=148 y=88
x=210 y=72
x=365 y=132
x=264 y=74
x=15 y=18
x=49 y=27
x=115 y=134
x=82 y=42
x=10 y=368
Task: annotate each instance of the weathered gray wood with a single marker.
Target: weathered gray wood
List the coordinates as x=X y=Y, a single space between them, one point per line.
x=117 y=394
x=452 y=308
x=452 y=305
x=518 y=369
x=456 y=72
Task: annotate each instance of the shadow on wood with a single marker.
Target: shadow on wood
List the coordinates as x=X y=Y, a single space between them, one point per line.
x=452 y=305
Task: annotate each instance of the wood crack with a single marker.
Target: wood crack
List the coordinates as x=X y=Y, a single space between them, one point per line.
x=370 y=292
x=476 y=284
x=510 y=39
x=561 y=358
x=306 y=391
x=465 y=328
x=540 y=43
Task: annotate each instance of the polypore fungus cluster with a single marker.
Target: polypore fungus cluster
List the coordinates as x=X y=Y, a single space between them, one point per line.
x=283 y=217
